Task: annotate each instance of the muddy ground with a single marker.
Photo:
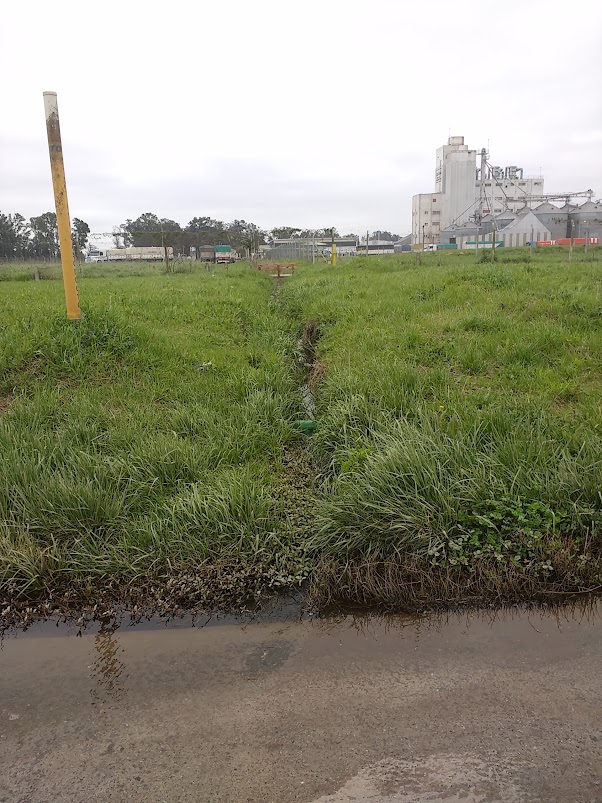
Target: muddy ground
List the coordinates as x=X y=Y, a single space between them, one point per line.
x=472 y=708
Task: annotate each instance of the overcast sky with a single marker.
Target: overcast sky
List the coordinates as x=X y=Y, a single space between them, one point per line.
x=312 y=114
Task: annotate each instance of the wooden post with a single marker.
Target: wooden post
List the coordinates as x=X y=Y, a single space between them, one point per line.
x=63 y=222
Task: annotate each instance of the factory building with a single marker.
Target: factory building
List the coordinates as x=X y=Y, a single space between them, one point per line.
x=543 y=222
x=460 y=194
x=455 y=180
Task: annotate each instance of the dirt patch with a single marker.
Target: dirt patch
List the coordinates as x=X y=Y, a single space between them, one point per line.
x=316 y=375
x=6 y=403
x=309 y=342
x=277 y=268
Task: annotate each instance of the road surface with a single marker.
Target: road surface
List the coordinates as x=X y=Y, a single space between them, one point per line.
x=471 y=708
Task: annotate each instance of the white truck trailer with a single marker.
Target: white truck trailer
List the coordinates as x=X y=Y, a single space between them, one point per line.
x=144 y=253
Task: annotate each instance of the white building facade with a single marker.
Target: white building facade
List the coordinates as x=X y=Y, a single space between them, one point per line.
x=457 y=196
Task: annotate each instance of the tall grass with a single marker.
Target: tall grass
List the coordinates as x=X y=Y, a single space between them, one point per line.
x=459 y=407
x=147 y=435
x=458 y=442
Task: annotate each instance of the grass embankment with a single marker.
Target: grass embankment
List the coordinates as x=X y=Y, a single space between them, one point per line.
x=149 y=450
x=144 y=445
x=459 y=440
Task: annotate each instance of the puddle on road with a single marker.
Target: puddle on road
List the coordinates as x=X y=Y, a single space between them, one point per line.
x=283 y=609
x=108 y=672
x=359 y=707
x=115 y=660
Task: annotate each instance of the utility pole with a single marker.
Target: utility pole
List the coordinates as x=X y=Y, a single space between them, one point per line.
x=59 y=184
x=482 y=184
x=367 y=241
x=165 y=255
x=572 y=240
x=479 y=216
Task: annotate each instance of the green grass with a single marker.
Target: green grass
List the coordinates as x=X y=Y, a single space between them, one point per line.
x=459 y=409
x=149 y=435
x=458 y=452
x=48 y=270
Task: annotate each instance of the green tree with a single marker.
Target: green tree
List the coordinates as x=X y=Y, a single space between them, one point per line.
x=15 y=237
x=283 y=233
x=7 y=237
x=22 y=235
x=384 y=235
x=79 y=237
x=319 y=233
x=145 y=230
x=204 y=231
x=122 y=238
x=44 y=236
x=244 y=236
x=150 y=230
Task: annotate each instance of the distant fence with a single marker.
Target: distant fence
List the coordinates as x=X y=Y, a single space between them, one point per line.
x=301 y=251
x=309 y=250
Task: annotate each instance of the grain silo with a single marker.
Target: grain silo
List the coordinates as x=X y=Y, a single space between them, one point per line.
x=588 y=220
x=554 y=219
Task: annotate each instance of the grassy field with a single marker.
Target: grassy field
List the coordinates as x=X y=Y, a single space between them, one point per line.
x=148 y=439
x=457 y=455
x=459 y=440
x=50 y=270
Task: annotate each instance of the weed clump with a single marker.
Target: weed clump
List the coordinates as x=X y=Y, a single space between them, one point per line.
x=97 y=340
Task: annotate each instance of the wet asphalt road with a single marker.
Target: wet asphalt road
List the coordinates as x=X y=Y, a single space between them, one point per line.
x=469 y=709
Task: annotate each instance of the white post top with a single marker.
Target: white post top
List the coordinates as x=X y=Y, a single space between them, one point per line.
x=51 y=105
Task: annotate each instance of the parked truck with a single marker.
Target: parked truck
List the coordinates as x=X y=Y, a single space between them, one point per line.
x=147 y=253
x=224 y=254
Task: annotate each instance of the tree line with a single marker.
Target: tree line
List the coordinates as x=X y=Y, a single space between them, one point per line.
x=150 y=230
x=290 y=232
x=37 y=238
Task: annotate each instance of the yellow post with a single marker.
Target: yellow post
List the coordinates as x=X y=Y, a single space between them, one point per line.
x=333 y=249
x=63 y=222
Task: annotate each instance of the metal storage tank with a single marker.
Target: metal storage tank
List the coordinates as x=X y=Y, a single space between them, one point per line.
x=553 y=219
x=588 y=217
x=504 y=218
